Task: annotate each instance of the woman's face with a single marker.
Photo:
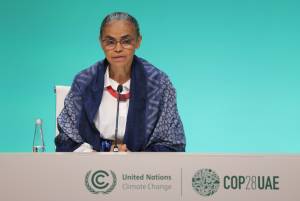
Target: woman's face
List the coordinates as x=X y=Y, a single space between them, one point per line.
x=119 y=42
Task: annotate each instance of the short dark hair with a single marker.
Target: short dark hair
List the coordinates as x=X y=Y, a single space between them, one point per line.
x=120 y=16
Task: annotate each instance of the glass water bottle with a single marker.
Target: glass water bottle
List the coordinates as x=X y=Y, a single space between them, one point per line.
x=38 y=139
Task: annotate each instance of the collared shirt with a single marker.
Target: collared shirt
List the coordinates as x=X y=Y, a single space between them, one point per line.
x=105 y=119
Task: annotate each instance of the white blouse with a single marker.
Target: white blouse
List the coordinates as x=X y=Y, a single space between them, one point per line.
x=105 y=119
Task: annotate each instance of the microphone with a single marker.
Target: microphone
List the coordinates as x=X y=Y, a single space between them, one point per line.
x=119 y=90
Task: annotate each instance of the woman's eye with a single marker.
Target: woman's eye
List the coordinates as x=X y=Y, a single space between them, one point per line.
x=110 y=42
x=126 y=41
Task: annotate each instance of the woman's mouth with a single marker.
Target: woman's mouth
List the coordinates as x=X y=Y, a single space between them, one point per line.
x=118 y=58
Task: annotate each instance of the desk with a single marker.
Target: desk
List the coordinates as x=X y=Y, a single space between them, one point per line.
x=148 y=176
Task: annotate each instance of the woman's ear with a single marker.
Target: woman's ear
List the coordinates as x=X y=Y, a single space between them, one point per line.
x=139 y=40
x=100 y=42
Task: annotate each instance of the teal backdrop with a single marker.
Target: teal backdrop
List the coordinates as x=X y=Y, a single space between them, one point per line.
x=235 y=65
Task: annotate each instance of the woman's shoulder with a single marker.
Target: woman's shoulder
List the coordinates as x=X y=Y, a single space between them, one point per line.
x=86 y=76
x=154 y=75
x=90 y=71
x=152 y=72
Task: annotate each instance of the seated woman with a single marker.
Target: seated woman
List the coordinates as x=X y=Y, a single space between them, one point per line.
x=148 y=117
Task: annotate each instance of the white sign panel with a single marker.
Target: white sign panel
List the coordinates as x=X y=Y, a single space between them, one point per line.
x=149 y=176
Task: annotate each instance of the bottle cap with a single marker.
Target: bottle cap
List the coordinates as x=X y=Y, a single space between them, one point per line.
x=38 y=121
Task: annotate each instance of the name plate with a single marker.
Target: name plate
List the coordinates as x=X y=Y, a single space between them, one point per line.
x=148 y=176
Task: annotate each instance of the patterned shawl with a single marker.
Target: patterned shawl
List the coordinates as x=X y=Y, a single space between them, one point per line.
x=153 y=122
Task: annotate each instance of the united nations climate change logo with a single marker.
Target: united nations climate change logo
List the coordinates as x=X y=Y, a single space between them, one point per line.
x=206 y=182
x=100 y=181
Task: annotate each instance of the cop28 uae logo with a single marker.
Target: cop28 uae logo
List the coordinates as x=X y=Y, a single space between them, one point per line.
x=100 y=181
x=206 y=182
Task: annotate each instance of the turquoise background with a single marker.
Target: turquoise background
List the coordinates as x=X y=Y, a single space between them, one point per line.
x=235 y=65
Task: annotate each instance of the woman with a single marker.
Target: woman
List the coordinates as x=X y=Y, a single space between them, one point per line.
x=148 y=117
